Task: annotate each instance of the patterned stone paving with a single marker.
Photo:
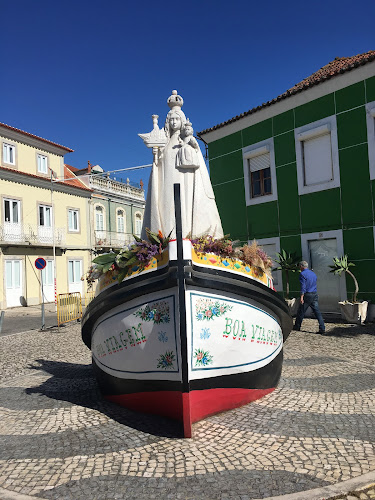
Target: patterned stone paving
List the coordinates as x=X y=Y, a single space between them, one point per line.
x=60 y=440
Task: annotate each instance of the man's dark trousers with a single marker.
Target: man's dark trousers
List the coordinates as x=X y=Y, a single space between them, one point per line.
x=310 y=299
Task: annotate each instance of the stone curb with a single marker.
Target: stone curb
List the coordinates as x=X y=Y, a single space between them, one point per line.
x=12 y=495
x=326 y=492
x=356 y=484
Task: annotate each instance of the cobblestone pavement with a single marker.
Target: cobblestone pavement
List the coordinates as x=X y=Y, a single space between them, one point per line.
x=60 y=440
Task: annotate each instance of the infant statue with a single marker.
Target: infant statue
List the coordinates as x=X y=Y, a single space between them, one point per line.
x=187 y=156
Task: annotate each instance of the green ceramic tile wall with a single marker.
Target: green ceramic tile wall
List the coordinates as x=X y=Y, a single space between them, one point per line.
x=321 y=211
x=350 y=97
x=315 y=110
x=263 y=220
x=230 y=199
x=355 y=187
x=351 y=127
x=225 y=145
x=226 y=168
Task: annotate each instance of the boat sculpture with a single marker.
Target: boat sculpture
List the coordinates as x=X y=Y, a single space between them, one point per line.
x=188 y=335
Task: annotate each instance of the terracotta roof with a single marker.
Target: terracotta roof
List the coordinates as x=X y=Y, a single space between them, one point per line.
x=74 y=182
x=336 y=67
x=36 y=137
x=71 y=168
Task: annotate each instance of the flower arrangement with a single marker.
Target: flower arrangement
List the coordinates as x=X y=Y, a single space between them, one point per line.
x=137 y=255
x=252 y=254
x=141 y=252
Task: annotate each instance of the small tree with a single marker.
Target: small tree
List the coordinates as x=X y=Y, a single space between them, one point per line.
x=288 y=263
x=341 y=265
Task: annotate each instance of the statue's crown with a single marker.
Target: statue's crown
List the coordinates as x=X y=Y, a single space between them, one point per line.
x=175 y=100
x=188 y=123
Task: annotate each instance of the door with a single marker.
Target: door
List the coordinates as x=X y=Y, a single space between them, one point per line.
x=74 y=276
x=48 y=282
x=321 y=255
x=45 y=224
x=270 y=249
x=13 y=282
x=12 y=220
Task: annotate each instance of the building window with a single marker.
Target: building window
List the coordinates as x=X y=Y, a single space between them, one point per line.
x=260 y=175
x=42 y=164
x=12 y=211
x=9 y=154
x=317 y=156
x=138 y=223
x=370 y=118
x=74 y=271
x=120 y=221
x=73 y=220
x=259 y=172
x=99 y=218
x=45 y=216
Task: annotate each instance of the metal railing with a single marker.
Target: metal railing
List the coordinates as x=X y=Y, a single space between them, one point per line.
x=117 y=187
x=32 y=234
x=112 y=239
x=69 y=307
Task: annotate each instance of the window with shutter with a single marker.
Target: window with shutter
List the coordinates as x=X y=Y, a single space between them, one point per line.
x=317 y=156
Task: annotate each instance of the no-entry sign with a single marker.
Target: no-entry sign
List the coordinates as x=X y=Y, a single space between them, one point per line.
x=40 y=263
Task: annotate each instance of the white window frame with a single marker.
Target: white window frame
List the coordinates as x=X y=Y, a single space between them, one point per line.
x=370 y=118
x=6 y=155
x=39 y=158
x=73 y=229
x=272 y=241
x=11 y=201
x=135 y=223
x=315 y=129
x=325 y=235
x=252 y=151
x=103 y=213
x=74 y=274
x=123 y=220
x=45 y=207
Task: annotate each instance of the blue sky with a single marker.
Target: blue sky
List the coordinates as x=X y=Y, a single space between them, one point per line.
x=89 y=75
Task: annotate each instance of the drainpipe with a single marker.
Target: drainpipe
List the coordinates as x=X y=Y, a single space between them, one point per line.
x=109 y=220
x=132 y=218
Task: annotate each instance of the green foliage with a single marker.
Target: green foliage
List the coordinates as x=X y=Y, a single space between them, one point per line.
x=122 y=261
x=342 y=265
x=105 y=258
x=287 y=261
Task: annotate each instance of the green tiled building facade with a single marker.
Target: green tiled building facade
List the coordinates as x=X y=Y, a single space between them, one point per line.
x=318 y=144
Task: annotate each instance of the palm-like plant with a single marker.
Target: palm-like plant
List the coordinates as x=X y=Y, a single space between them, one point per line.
x=288 y=263
x=341 y=265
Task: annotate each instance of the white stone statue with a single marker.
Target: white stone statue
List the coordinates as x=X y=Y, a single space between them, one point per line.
x=178 y=159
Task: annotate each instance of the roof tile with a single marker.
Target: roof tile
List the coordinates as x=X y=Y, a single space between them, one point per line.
x=334 y=68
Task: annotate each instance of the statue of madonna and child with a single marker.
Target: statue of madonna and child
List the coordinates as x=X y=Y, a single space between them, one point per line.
x=178 y=159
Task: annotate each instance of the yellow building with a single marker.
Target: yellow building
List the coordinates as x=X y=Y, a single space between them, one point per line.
x=44 y=212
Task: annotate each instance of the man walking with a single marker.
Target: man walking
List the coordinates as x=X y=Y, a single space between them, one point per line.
x=309 y=297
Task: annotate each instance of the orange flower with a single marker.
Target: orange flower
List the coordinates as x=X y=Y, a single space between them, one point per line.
x=160 y=234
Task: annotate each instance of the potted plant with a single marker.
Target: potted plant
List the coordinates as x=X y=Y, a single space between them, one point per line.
x=353 y=312
x=288 y=263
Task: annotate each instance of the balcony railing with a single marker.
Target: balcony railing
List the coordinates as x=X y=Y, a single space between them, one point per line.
x=112 y=239
x=15 y=233
x=107 y=184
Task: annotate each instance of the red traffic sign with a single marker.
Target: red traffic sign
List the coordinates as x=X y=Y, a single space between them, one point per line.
x=40 y=263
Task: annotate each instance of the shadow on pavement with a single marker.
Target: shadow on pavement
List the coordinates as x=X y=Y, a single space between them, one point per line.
x=75 y=383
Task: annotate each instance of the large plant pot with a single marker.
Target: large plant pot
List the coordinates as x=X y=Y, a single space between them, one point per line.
x=293 y=305
x=354 y=313
x=371 y=313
